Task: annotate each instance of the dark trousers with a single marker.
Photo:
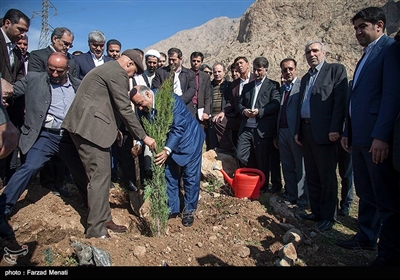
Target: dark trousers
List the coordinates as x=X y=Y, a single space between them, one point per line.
x=346 y=176
x=126 y=161
x=251 y=146
x=275 y=167
x=320 y=164
x=377 y=186
x=46 y=146
x=53 y=173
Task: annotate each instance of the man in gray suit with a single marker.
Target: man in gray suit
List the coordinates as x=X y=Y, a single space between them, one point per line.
x=322 y=111
x=100 y=101
x=52 y=174
x=41 y=134
x=291 y=154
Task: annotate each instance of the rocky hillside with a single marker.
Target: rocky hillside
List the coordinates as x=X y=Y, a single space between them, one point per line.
x=278 y=29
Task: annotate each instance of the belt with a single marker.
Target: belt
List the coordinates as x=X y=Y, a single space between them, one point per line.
x=60 y=132
x=306 y=120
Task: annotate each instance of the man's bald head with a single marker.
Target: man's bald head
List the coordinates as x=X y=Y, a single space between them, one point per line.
x=57 y=68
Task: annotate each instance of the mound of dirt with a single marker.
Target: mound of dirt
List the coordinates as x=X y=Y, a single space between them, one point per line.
x=227 y=231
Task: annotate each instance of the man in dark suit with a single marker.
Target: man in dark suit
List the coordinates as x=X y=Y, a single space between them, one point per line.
x=395 y=66
x=184 y=78
x=40 y=140
x=259 y=105
x=94 y=57
x=291 y=154
x=181 y=154
x=61 y=41
x=231 y=108
x=322 y=111
x=15 y=26
x=53 y=173
x=202 y=97
x=374 y=106
x=101 y=100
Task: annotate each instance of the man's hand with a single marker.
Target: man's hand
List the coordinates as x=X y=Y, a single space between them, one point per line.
x=345 y=144
x=250 y=113
x=120 y=138
x=161 y=157
x=220 y=117
x=151 y=143
x=379 y=150
x=8 y=139
x=333 y=136
x=296 y=139
x=7 y=89
x=136 y=150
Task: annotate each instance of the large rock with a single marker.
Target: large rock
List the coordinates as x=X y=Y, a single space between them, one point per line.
x=212 y=162
x=280 y=29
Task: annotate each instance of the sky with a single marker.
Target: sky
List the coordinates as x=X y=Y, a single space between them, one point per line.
x=135 y=23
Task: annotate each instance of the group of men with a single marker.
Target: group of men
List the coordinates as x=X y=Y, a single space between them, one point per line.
x=309 y=118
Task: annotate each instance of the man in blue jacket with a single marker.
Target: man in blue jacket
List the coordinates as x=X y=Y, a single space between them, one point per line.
x=373 y=108
x=182 y=153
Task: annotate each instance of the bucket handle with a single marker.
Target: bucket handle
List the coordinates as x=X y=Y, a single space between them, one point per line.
x=255 y=170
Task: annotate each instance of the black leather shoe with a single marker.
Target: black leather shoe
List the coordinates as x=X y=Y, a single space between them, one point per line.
x=187 y=219
x=324 y=225
x=6 y=231
x=355 y=244
x=130 y=186
x=310 y=217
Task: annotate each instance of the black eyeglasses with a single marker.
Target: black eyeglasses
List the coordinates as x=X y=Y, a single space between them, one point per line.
x=67 y=44
x=208 y=72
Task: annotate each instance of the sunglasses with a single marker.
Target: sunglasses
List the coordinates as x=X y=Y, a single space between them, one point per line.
x=208 y=72
x=67 y=44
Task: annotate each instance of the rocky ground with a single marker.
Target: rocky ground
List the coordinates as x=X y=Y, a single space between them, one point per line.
x=227 y=231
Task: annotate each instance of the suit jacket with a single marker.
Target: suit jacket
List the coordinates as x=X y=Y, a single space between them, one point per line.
x=231 y=108
x=186 y=78
x=391 y=89
x=292 y=107
x=267 y=103
x=35 y=86
x=84 y=63
x=327 y=102
x=101 y=99
x=38 y=61
x=204 y=95
x=186 y=137
x=8 y=73
x=372 y=109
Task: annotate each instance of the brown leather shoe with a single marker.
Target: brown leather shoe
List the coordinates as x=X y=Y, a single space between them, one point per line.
x=114 y=227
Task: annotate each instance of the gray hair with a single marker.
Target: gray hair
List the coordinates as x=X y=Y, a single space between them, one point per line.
x=314 y=42
x=96 y=36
